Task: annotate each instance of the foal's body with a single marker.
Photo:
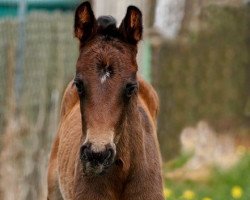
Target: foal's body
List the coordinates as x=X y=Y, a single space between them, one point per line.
x=106 y=146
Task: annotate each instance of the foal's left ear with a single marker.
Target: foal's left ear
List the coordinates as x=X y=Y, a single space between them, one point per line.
x=85 y=22
x=131 y=26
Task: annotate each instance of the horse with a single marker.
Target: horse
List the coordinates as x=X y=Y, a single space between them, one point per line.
x=106 y=146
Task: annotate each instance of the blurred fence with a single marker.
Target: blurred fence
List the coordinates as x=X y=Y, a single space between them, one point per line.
x=28 y=122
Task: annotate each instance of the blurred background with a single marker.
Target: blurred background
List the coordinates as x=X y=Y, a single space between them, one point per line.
x=195 y=53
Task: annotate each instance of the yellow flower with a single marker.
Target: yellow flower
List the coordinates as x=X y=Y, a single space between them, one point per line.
x=241 y=150
x=206 y=198
x=188 y=194
x=236 y=192
x=167 y=192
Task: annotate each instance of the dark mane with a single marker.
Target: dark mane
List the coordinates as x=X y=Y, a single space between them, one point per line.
x=107 y=26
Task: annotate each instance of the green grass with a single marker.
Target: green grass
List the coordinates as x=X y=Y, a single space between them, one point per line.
x=218 y=187
x=178 y=162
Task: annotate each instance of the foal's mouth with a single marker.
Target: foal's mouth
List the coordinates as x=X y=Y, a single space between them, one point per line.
x=96 y=169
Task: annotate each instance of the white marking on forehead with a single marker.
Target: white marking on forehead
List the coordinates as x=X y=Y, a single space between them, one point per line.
x=105 y=76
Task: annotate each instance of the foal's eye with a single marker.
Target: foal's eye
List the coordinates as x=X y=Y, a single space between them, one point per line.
x=131 y=88
x=79 y=86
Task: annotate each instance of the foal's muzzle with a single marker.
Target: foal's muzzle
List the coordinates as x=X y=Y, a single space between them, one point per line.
x=96 y=162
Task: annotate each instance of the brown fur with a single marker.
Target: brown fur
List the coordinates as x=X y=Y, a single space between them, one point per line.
x=136 y=173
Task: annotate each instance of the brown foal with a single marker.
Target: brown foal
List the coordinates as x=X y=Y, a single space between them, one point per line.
x=106 y=147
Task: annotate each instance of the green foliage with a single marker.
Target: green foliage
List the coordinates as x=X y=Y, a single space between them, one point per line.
x=205 y=77
x=178 y=162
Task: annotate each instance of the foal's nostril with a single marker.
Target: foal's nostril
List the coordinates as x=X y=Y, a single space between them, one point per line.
x=109 y=158
x=110 y=153
x=85 y=152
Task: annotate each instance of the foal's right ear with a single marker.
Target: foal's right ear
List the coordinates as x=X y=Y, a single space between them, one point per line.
x=85 y=22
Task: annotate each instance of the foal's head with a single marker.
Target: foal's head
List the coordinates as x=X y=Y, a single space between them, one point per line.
x=106 y=81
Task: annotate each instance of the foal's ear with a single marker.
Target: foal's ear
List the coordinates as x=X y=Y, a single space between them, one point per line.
x=85 y=22
x=131 y=26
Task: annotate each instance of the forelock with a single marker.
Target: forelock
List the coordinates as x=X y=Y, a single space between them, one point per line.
x=107 y=26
